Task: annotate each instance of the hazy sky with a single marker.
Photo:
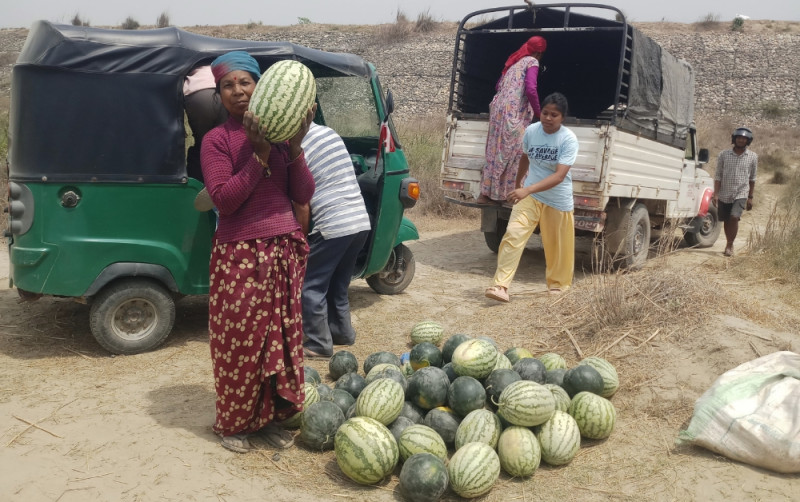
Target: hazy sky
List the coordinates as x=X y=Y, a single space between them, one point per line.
x=21 y=13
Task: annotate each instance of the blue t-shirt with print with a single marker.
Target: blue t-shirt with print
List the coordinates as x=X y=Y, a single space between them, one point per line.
x=545 y=152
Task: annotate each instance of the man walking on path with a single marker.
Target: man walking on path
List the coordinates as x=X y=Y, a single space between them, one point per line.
x=734 y=182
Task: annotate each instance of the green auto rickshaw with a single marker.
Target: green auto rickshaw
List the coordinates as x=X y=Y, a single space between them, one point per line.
x=100 y=203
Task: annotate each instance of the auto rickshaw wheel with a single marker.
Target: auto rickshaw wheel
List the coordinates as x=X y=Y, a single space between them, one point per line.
x=396 y=275
x=132 y=316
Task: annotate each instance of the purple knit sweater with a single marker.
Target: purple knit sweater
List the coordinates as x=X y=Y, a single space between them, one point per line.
x=250 y=205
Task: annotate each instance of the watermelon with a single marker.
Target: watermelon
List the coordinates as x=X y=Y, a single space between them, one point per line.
x=341 y=398
x=465 y=395
x=583 y=378
x=451 y=344
x=323 y=389
x=555 y=376
x=282 y=98
x=502 y=363
x=473 y=470
x=412 y=412
x=489 y=339
x=366 y=451
x=519 y=452
x=475 y=358
x=514 y=354
x=423 y=478
x=427 y=331
x=478 y=426
x=381 y=400
x=444 y=421
x=553 y=361
x=427 y=387
x=530 y=369
x=560 y=395
x=388 y=371
x=526 y=403
x=311 y=397
x=407 y=369
x=311 y=375
x=381 y=357
x=352 y=383
x=398 y=426
x=425 y=354
x=319 y=424
x=595 y=415
x=451 y=373
x=342 y=363
x=607 y=371
x=420 y=438
x=496 y=382
x=559 y=438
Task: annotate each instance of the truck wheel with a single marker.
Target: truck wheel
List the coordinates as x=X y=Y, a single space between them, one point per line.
x=708 y=229
x=493 y=239
x=627 y=236
x=396 y=275
x=132 y=316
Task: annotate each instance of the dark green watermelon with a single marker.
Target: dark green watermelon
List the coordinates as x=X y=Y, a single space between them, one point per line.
x=451 y=373
x=342 y=363
x=583 y=378
x=555 y=376
x=392 y=373
x=319 y=424
x=451 y=344
x=324 y=390
x=498 y=380
x=352 y=383
x=376 y=358
x=423 y=478
x=466 y=394
x=412 y=412
x=399 y=425
x=445 y=422
x=427 y=387
x=311 y=375
x=425 y=354
x=531 y=369
x=341 y=398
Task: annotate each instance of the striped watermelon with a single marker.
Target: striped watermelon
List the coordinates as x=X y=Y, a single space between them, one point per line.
x=595 y=415
x=382 y=400
x=475 y=358
x=560 y=395
x=526 y=403
x=388 y=371
x=559 y=438
x=282 y=98
x=553 y=361
x=420 y=438
x=478 y=426
x=365 y=450
x=473 y=469
x=427 y=331
x=607 y=371
x=312 y=396
x=503 y=363
x=519 y=451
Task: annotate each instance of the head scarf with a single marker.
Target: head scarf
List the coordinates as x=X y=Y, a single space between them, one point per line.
x=232 y=61
x=534 y=44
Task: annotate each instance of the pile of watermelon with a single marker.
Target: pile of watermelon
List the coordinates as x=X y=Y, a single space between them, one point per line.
x=455 y=413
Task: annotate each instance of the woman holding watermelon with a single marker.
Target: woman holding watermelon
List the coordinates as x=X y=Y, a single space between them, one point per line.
x=258 y=262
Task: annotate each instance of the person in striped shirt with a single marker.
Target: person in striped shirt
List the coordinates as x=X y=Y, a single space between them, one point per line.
x=340 y=229
x=734 y=182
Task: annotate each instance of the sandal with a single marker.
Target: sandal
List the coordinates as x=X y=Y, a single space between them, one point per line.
x=497 y=293
x=554 y=291
x=276 y=436
x=308 y=354
x=236 y=442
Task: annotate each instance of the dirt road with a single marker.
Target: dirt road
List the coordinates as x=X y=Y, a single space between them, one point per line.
x=77 y=424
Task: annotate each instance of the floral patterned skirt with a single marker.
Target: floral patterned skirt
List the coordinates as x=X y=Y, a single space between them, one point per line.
x=256 y=331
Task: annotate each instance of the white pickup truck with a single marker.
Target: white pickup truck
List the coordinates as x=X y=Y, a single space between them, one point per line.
x=631 y=107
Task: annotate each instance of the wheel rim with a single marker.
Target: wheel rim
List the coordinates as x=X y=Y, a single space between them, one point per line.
x=638 y=239
x=395 y=273
x=707 y=226
x=134 y=319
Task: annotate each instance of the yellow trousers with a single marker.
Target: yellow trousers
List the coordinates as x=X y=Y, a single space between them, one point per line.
x=557 y=231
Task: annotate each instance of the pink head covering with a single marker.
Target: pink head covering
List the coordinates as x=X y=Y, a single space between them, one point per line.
x=533 y=45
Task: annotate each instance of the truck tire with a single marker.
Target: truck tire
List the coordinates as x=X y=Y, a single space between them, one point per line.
x=396 y=275
x=627 y=236
x=132 y=316
x=704 y=231
x=493 y=239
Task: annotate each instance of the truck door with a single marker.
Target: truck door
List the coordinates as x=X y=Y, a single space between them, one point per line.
x=687 y=194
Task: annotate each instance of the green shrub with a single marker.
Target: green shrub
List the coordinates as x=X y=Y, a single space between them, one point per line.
x=303 y=20
x=773 y=109
x=130 y=24
x=425 y=22
x=252 y=24
x=163 y=20
x=737 y=24
x=77 y=21
x=709 y=22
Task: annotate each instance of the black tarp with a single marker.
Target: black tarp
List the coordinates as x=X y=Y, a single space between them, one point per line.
x=91 y=104
x=607 y=69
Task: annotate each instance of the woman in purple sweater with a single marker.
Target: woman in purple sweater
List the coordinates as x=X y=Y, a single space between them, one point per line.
x=258 y=262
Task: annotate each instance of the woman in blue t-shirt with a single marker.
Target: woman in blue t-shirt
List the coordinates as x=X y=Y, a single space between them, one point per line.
x=543 y=196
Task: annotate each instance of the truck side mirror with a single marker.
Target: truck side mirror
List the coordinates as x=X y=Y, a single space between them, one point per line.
x=389 y=103
x=703 y=156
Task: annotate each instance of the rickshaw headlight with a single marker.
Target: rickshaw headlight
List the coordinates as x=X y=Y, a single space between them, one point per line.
x=409 y=192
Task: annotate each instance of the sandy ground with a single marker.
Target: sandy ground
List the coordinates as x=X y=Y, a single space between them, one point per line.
x=77 y=424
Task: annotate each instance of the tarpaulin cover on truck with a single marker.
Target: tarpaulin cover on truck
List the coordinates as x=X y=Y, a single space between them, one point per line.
x=78 y=95
x=607 y=69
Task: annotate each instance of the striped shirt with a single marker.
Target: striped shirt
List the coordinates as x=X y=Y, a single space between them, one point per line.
x=337 y=208
x=735 y=172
